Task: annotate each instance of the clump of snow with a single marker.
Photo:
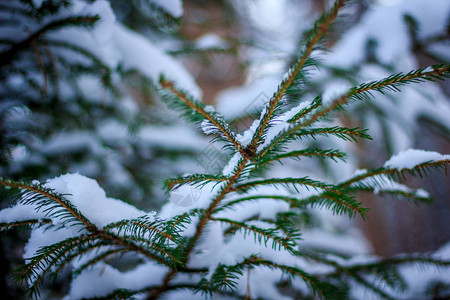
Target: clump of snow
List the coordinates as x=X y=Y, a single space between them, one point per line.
x=228 y=169
x=173 y=7
x=422 y=193
x=210 y=40
x=102 y=279
x=41 y=237
x=20 y=212
x=410 y=158
x=103 y=29
x=91 y=200
x=344 y=243
x=246 y=137
x=208 y=127
x=150 y=60
x=209 y=109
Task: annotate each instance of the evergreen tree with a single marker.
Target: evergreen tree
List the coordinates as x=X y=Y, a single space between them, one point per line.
x=241 y=235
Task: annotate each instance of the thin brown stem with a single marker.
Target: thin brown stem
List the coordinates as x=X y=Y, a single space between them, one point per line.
x=321 y=28
x=183 y=97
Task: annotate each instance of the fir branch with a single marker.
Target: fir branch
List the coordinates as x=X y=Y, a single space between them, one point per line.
x=49 y=256
x=199 y=180
x=40 y=63
x=292 y=133
x=223 y=279
x=344 y=133
x=140 y=246
x=56 y=205
x=161 y=241
x=144 y=243
x=291 y=200
x=398 y=173
x=121 y=294
x=25 y=224
x=398 y=261
x=390 y=84
x=144 y=226
x=341 y=203
x=332 y=197
x=304 y=181
x=64 y=210
x=320 y=28
x=208 y=212
x=177 y=222
x=393 y=82
x=413 y=195
x=199 y=108
x=363 y=91
x=69 y=258
x=320 y=153
x=262 y=234
x=290 y=271
x=370 y=285
x=317 y=102
x=386 y=270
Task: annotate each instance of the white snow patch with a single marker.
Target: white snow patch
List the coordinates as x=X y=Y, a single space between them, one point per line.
x=20 y=212
x=208 y=127
x=102 y=279
x=90 y=199
x=41 y=237
x=210 y=40
x=246 y=137
x=147 y=58
x=173 y=7
x=228 y=169
x=104 y=28
x=410 y=158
